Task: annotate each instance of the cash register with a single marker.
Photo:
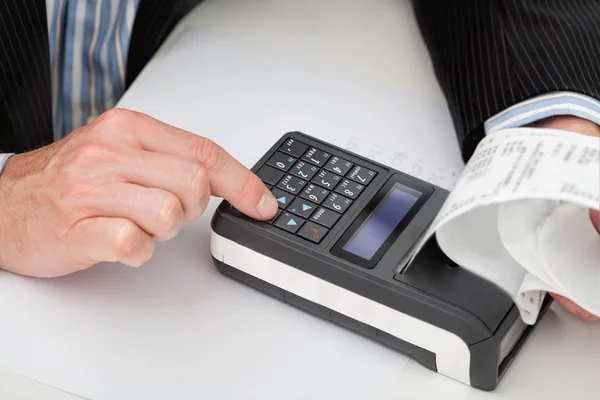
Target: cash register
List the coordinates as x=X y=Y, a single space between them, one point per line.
x=339 y=248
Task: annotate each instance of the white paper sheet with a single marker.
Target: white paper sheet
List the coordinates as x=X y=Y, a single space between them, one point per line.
x=176 y=328
x=519 y=217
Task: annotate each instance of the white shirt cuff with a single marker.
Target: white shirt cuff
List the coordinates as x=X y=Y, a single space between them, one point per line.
x=545 y=106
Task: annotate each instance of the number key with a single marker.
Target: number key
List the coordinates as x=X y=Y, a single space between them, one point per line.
x=349 y=189
x=314 y=193
x=327 y=179
x=304 y=170
x=291 y=184
x=361 y=175
x=338 y=166
x=281 y=161
x=316 y=156
x=337 y=203
x=269 y=175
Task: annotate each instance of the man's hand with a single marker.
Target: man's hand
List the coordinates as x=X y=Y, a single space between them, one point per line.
x=110 y=190
x=585 y=127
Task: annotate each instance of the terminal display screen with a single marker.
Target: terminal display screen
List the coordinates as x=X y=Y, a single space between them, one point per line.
x=382 y=222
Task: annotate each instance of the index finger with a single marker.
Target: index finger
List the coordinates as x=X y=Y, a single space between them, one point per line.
x=228 y=178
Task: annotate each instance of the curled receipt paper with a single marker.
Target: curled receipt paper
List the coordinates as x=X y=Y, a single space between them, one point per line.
x=519 y=216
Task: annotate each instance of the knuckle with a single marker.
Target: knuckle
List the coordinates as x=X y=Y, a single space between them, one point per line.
x=199 y=196
x=129 y=241
x=114 y=115
x=170 y=216
x=199 y=183
x=114 y=125
x=207 y=153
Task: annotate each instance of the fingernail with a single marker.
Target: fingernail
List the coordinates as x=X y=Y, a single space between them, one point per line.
x=267 y=206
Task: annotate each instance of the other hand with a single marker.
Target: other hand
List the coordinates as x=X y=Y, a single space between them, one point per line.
x=110 y=190
x=585 y=127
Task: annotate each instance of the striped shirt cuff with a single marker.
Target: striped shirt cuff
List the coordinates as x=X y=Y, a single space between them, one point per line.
x=3 y=159
x=549 y=105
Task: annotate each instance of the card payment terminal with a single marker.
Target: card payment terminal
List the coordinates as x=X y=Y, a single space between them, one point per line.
x=338 y=249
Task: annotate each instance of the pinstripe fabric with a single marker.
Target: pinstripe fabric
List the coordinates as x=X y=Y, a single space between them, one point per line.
x=24 y=75
x=489 y=55
x=26 y=94
x=88 y=53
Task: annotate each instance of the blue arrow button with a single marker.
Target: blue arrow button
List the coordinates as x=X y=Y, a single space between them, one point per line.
x=292 y=222
x=305 y=207
x=281 y=200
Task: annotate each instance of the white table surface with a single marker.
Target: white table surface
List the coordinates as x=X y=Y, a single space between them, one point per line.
x=372 y=39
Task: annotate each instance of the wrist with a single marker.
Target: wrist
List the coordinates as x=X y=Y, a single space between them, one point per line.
x=569 y=123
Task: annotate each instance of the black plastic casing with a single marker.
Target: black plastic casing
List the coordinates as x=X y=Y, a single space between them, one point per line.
x=433 y=289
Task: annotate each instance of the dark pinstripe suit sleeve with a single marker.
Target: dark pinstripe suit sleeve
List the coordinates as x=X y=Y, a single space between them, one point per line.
x=25 y=88
x=489 y=55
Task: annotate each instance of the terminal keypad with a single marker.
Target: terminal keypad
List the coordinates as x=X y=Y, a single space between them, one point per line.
x=313 y=188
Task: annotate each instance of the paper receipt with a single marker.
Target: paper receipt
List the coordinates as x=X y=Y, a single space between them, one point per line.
x=519 y=217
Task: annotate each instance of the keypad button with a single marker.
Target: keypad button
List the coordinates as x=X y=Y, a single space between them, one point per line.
x=316 y=156
x=314 y=193
x=302 y=208
x=313 y=232
x=283 y=198
x=337 y=203
x=361 y=175
x=291 y=184
x=325 y=217
x=327 y=179
x=349 y=189
x=281 y=161
x=304 y=170
x=275 y=217
x=269 y=175
x=294 y=148
x=289 y=222
x=338 y=166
